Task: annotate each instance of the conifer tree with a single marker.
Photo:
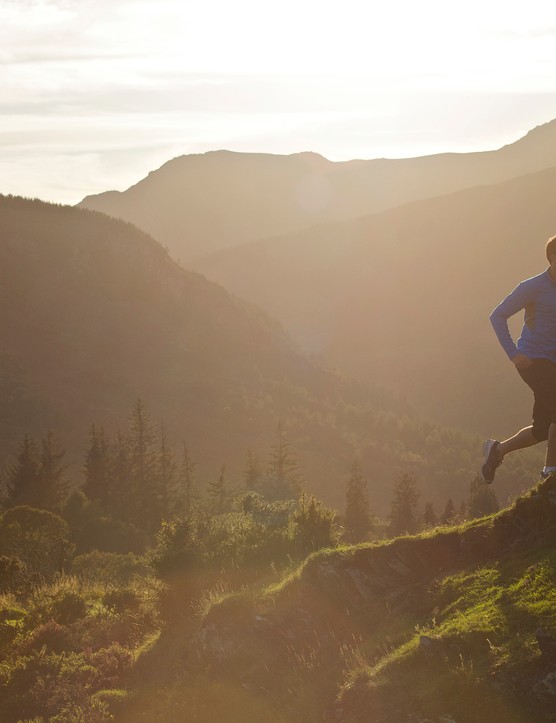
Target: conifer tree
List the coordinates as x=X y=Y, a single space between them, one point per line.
x=403 y=513
x=53 y=484
x=283 y=476
x=144 y=503
x=429 y=515
x=252 y=473
x=141 y=438
x=164 y=481
x=219 y=493
x=22 y=479
x=314 y=526
x=448 y=517
x=358 y=517
x=97 y=469
x=187 y=481
x=120 y=475
x=482 y=499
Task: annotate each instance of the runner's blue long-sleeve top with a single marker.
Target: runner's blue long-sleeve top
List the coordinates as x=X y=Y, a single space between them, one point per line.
x=537 y=296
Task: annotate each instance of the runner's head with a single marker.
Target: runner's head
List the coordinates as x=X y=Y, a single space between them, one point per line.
x=551 y=248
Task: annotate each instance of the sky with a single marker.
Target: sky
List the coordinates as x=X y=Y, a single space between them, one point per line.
x=94 y=94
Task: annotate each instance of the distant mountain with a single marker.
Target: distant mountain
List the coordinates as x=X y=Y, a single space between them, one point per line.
x=198 y=204
x=95 y=314
x=403 y=297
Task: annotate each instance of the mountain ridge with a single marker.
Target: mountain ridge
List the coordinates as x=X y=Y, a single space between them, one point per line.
x=339 y=277
x=199 y=203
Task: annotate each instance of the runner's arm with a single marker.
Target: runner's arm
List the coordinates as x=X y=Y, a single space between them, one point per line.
x=514 y=302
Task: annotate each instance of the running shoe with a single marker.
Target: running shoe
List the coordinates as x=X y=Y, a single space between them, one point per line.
x=492 y=460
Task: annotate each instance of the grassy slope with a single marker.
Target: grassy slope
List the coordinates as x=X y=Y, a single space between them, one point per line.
x=474 y=657
x=440 y=627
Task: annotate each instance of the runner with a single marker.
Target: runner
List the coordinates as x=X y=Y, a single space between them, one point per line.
x=534 y=357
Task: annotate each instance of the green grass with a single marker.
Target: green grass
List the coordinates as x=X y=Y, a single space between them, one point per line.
x=480 y=604
x=483 y=624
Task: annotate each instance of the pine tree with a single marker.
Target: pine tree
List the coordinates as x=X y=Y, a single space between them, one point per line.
x=141 y=437
x=429 y=515
x=187 y=482
x=22 y=479
x=283 y=477
x=53 y=486
x=144 y=503
x=403 y=513
x=482 y=499
x=252 y=473
x=164 y=482
x=448 y=517
x=97 y=466
x=219 y=493
x=120 y=475
x=314 y=526
x=358 y=517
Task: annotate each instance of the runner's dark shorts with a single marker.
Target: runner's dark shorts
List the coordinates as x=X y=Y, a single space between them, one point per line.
x=541 y=377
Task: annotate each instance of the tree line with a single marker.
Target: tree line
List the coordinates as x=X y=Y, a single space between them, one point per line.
x=133 y=482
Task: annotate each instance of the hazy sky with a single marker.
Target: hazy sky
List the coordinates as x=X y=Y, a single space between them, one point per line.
x=96 y=93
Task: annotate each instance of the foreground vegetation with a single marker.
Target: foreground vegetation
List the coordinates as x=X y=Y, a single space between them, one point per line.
x=457 y=624
x=116 y=594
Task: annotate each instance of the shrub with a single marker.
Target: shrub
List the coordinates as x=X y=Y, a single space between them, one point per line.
x=11 y=621
x=62 y=601
x=42 y=684
x=92 y=529
x=114 y=700
x=39 y=538
x=51 y=635
x=69 y=607
x=61 y=687
x=110 y=664
x=176 y=548
x=120 y=600
x=12 y=572
x=90 y=711
x=111 y=567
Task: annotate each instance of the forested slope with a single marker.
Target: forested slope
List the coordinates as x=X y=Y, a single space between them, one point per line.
x=95 y=315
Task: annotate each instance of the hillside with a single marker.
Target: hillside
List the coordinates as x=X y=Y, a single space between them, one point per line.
x=457 y=624
x=403 y=297
x=198 y=204
x=95 y=314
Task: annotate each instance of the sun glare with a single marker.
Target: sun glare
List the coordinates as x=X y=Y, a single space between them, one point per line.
x=353 y=80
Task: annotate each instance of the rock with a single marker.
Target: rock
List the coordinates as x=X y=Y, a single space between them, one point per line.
x=214 y=644
x=545 y=689
x=431 y=647
x=361 y=583
x=401 y=568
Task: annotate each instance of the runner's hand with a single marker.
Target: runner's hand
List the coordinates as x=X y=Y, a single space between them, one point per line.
x=521 y=361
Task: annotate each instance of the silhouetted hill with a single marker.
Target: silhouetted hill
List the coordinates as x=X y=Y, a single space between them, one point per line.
x=95 y=314
x=201 y=203
x=403 y=297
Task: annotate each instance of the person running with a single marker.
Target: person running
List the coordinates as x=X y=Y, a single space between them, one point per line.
x=534 y=357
